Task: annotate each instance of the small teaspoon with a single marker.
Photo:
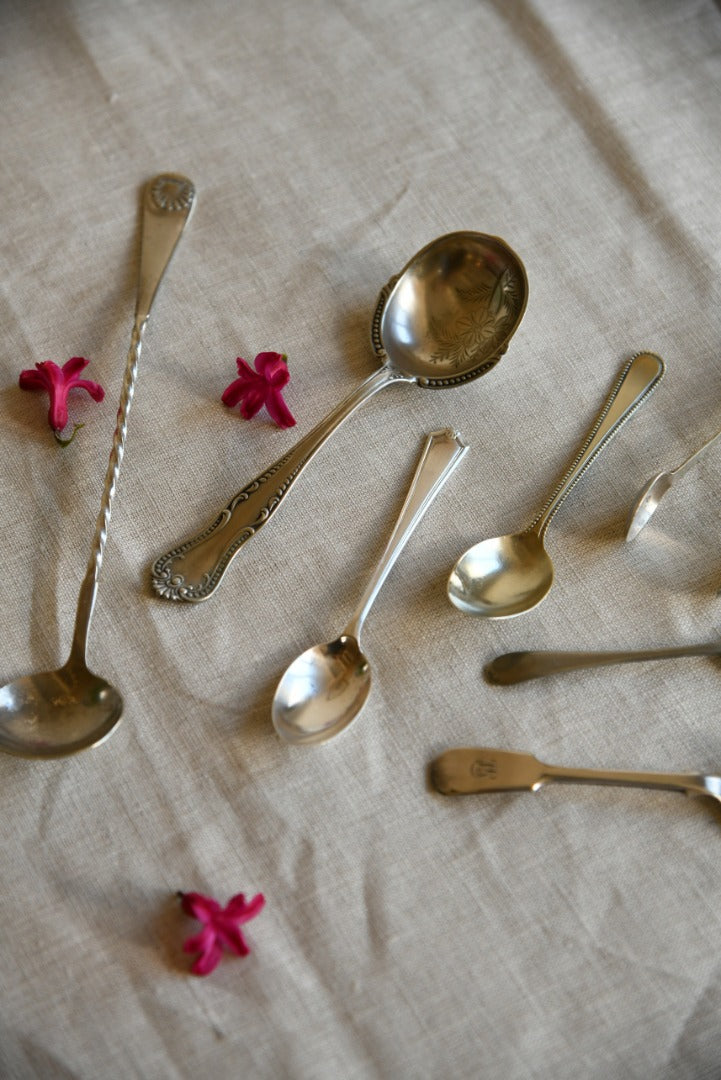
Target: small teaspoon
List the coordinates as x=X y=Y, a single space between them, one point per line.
x=510 y=574
x=650 y=496
x=326 y=687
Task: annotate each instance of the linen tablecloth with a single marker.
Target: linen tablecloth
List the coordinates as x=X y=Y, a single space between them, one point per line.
x=569 y=934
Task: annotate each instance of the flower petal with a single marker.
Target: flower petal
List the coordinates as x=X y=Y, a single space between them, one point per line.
x=199 y=906
x=244 y=367
x=240 y=908
x=34 y=379
x=233 y=393
x=267 y=363
x=74 y=366
x=252 y=401
x=94 y=389
x=200 y=942
x=232 y=938
x=278 y=409
x=207 y=961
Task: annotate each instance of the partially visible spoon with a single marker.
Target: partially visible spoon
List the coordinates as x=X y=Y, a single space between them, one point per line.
x=647 y=502
x=510 y=574
x=326 y=687
x=445 y=319
x=472 y=771
x=516 y=667
x=54 y=713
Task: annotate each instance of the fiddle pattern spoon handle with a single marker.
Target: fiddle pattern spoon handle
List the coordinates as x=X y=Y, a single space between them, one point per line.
x=194 y=569
x=637 y=380
x=516 y=667
x=168 y=202
x=478 y=770
x=442 y=452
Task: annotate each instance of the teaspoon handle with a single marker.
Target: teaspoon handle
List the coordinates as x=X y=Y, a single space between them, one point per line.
x=517 y=667
x=441 y=453
x=638 y=378
x=692 y=458
x=168 y=202
x=194 y=569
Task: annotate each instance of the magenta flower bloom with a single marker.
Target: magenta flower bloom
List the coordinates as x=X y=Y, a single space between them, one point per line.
x=254 y=389
x=221 y=927
x=59 y=381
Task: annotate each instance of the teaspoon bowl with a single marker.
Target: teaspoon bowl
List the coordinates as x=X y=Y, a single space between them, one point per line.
x=322 y=691
x=502 y=576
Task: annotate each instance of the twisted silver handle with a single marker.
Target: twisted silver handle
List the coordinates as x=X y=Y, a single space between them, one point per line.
x=168 y=203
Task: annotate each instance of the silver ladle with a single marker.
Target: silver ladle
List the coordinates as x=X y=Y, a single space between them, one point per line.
x=445 y=319
x=510 y=574
x=647 y=502
x=55 y=713
x=327 y=686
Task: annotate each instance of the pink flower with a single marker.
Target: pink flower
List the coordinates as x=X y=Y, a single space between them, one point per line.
x=254 y=389
x=58 y=381
x=221 y=926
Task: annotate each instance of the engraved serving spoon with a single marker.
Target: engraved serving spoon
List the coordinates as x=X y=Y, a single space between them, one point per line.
x=327 y=686
x=474 y=770
x=55 y=713
x=645 y=506
x=510 y=574
x=516 y=667
x=445 y=319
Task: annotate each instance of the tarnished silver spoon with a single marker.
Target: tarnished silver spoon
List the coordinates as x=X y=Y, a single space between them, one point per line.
x=647 y=502
x=444 y=320
x=474 y=770
x=55 y=713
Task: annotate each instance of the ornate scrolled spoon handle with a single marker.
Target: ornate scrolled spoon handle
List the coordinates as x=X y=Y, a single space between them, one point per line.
x=516 y=667
x=193 y=570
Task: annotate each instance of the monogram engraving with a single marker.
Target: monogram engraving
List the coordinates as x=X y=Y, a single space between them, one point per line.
x=484 y=768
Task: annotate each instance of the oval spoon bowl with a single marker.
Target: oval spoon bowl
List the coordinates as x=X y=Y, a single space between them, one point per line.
x=321 y=691
x=501 y=577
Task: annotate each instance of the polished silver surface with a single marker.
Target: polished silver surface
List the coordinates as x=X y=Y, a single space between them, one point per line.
x=325 y=688
x=55 y=713
x=650 y=496
x=517 y=667
x=509 y=574
x=478 y=770
x=445 y=319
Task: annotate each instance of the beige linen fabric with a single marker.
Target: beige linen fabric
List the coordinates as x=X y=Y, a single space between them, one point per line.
x=570 y=934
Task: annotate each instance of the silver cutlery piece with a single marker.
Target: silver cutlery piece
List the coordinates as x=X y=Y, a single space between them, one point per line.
x=54 y=713
x=516 y=667
x=647 y=502
x=510 y=574
x=326 y=687
x=476 y=770
x=445 y=319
